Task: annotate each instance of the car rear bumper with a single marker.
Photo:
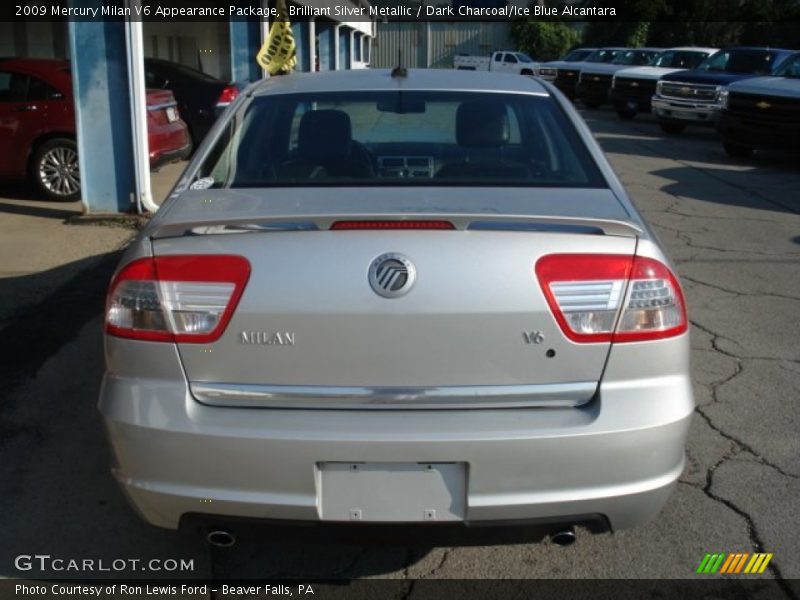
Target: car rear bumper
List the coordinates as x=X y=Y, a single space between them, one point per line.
x=169 y=143
x=685 y=112
x=618 y=456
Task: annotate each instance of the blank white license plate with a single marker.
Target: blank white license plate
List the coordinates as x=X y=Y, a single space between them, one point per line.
x=392 y=492
x=682 y=114
x=172 y=114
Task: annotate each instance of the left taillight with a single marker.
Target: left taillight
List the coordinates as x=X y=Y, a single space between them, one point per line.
x=186 y=299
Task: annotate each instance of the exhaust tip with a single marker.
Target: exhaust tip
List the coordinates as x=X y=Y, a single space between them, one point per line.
x=221 y=539
x=563 y=538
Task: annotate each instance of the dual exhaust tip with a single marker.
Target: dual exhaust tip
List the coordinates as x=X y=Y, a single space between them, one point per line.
x=563 y=538
x=225 y=539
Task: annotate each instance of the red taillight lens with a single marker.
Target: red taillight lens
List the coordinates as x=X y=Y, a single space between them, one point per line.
x=187 y=299
x=371 y=225
x=228 y=95
x=586 y=293
x=654 y=306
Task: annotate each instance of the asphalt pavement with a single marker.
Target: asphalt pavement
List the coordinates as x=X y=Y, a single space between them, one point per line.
x=733 y=230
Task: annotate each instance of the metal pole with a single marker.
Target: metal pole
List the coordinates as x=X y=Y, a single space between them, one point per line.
x=141 y=146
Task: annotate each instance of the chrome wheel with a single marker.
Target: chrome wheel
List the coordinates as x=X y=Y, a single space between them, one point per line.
x=58 y=171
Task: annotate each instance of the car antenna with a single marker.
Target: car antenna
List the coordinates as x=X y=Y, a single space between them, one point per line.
x=399 y=70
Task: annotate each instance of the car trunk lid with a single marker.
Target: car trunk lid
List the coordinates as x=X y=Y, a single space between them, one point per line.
x=310 y=330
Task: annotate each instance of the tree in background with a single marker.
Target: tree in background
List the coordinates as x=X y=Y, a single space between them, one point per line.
x=697 y=22
x=544 y=40
x=634 y=32
x=663 y=23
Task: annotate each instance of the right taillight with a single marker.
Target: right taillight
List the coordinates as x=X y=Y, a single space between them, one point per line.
x=610 y=297
x=229 y=94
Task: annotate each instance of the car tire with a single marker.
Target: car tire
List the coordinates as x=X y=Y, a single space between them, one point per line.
x=626 y=114
x=54 y=170
x=737 y=150
x=672 y=128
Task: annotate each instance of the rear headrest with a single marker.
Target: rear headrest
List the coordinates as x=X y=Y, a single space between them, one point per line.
x=481 y=124
x=325 y=135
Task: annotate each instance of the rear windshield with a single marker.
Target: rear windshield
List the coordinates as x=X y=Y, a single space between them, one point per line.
x=740 y=60
x=186 y=71
x=401 y=139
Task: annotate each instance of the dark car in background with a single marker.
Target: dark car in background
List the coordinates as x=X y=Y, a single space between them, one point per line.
x=549 y=70
x=694 y=97
x=201 y=97
x=37 y=127
x=762 y=112
x=594 y=81
x=567 y=76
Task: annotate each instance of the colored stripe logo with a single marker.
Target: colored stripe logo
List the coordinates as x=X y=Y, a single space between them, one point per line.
x=734 y=563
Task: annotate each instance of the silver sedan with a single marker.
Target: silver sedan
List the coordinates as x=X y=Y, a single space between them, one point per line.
x=410 y=297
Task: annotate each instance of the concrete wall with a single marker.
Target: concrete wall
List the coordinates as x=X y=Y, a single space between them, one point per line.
x=35 y=40
x=202 y=46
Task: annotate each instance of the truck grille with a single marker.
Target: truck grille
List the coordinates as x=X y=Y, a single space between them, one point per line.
x=639 y=88
x=567 y=76
x=695 y=92
x=765 y=107
x=595 y=78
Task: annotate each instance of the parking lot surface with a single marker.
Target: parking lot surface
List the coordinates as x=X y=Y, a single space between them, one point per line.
x=733 y=230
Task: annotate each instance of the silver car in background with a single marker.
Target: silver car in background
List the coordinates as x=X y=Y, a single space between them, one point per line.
x=410 y=297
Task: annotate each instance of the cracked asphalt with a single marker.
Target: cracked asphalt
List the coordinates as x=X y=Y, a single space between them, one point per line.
x=733 y=231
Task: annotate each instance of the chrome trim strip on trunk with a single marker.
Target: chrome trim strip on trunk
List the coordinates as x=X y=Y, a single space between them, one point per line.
x=342 y=397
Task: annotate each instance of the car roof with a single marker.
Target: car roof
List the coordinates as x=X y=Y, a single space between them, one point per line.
x=692 y=49
x=767 y=48
x=445 y=80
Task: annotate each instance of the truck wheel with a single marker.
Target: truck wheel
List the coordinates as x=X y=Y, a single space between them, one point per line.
x=737 y=150
x=54 y=169
x=626 y=113
x=672 y=128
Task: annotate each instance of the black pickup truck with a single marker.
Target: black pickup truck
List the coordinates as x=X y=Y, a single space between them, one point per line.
x=763 y=112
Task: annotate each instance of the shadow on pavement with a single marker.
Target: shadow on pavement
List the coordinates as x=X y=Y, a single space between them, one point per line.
x=57 y=496
x=742 y=188
x=33 y=210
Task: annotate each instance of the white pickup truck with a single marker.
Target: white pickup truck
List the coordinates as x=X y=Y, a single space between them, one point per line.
x=504 y=61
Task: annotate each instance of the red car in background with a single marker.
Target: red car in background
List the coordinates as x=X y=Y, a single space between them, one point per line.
x=37 y=126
